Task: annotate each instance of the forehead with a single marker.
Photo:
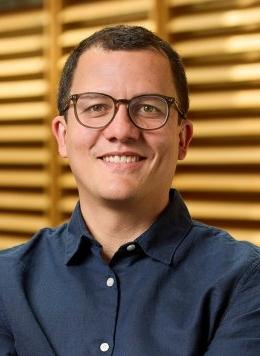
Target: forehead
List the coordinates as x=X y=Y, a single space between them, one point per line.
x=146 y=69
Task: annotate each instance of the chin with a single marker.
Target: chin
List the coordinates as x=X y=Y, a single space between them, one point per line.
x=111 y=192
x=119 y=194
x=118 y=197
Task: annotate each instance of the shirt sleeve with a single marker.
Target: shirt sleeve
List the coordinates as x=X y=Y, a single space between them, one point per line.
x=7 y=347
x=239 y=332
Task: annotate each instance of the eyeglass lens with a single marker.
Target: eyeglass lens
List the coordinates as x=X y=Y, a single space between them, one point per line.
x=97 y=110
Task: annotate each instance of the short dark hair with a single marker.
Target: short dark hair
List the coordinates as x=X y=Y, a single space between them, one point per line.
x=123 y=37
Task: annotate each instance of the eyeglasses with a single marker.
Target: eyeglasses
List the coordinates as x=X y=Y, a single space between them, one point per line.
x=97 y=110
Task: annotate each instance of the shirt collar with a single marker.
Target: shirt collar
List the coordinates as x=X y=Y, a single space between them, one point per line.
x=76 y=231
x=163 y=238
x=160 y=241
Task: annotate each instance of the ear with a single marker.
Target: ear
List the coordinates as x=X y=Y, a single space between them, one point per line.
x=185 y=136
x=59 y=130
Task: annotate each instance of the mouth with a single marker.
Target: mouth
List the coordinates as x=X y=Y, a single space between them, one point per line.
x=122 y=158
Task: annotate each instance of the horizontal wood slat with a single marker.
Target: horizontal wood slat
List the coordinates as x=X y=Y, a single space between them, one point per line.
x=225 y=74
x=28 y=134
x=226 y=100
x=67 y=181
x=251 y=235
x=24 y=111
x=22 y=223
x=223 y=155
x=67 y=203
x=23 y=89
x=245 y=211
x=21 y=67
x=7 y=241
x=218 y=182
x=93 y=11
x=201 y=5
x=222 y=45
x=215 y=20
x=24 y=156
x=27 y=178
x=22 y=21
x=21 y=44
x=23 y=201
x=227 y=127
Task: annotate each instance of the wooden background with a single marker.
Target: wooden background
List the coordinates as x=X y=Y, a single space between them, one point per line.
x=219 y=41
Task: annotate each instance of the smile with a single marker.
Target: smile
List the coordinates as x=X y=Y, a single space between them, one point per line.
x=121 y=159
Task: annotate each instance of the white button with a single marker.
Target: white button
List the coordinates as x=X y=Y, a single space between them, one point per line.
x=130 y=248
x=104 y=347
x=110 y=282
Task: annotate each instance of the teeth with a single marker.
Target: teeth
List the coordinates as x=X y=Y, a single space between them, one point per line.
x=121 y=159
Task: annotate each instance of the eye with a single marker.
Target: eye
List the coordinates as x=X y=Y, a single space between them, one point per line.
x=93 y=109
x=96 y=108
x=148 y=108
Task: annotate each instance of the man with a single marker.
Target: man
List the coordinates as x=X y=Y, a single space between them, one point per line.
x=131 y=274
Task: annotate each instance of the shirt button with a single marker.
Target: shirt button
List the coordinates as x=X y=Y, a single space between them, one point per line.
x=130 y=247
x=104 y=347
x=110 y=282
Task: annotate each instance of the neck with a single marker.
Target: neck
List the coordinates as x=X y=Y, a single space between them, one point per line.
x=114 y=224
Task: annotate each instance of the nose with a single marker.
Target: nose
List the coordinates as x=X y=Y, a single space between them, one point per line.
x=121 y=128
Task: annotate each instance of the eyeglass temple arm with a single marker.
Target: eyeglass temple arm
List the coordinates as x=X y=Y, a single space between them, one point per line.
x=177 y=105
x=72 y=98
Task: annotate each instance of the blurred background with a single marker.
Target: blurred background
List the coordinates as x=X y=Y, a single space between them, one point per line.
x=219 y=41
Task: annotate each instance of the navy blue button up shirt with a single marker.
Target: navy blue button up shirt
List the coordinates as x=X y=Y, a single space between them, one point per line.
x=180 y=289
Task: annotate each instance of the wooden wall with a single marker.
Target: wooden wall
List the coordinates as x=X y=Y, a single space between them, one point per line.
x=220 y=44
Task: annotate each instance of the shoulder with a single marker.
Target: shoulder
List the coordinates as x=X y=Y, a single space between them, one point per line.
x=20 y=256
x=220 y=241
x=214 y=251
x=20 y=265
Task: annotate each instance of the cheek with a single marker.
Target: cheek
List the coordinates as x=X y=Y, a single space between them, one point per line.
x=80 y=141
x=78 y=149
x=167 y=156
x=167 y=147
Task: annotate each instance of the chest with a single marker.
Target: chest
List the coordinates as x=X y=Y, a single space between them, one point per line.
x=139 y=310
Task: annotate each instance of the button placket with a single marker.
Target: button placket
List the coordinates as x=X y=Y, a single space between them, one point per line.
x=110 y=282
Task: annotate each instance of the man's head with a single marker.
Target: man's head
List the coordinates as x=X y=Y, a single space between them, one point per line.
x=127 y=155
x=127 y=38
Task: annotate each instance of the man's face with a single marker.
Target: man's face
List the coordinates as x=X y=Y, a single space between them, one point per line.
x=147 y=176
